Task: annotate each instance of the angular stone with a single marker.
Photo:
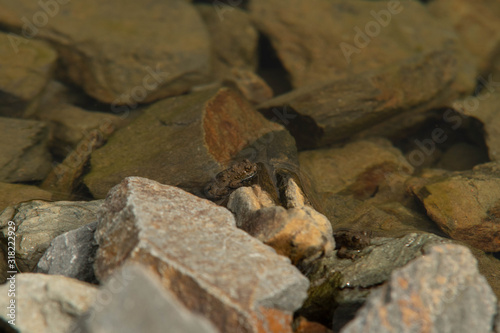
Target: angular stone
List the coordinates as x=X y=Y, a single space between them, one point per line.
x=252 y=86
x=71 y=254
x=337 y=109
x=439 y=292
x=200 y=255
x=466 y=205
x=31 y=64
x=323 y=39
x=363 y=168
x=204 y=130
x=299 y=233
x=132 y=58
x=12 y=194
x=140 y=304
x=47 y=303
x=38 y=223
x=23 y=144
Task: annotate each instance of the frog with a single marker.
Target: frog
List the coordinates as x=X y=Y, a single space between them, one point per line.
x=226 y=181
x=349 y=243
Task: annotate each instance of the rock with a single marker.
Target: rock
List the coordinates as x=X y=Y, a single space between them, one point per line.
x=71 y=254
x=25 y=156
x=327 y=40
x=30 y=67
x=210 y=265
x=301 y=233
x=38 y=223
x=71 y=124
x=234 y=38
x=439 y=292
x=305 y=326
x=121 y=61
x=339 y=286
x=12 y=194
x=251 y=85
x=204 y=130
x=66 y=177
x=47 y=303
x=465 y=205
x=476 y=25
x=337 y=109
x=363 y=169
x=462 y=156
x=139 y=303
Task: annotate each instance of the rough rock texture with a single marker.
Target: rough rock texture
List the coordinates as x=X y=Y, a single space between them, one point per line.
x=234 y=38
x=337 y=109
x=252 y=86
x=300 y=233
x=476 y=24
x=139 y=304
x=12 y=194
x=204 y=130
x=194 y=245
x=71 y=254
x=466 y=205
x=71 y=124
x=38 y=223
x=362 y=168
x=439 y=292
x=47 y=303
x=23 y=144
x=109 y=50
x=322 y=39
x=28 y=68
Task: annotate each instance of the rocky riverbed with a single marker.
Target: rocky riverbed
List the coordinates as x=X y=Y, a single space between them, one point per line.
x=250 y=166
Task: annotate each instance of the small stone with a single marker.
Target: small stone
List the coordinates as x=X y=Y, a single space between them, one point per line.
x=23 y=144
x=211 y=266
x=139 y=304
x=252 y=86
x=37 y=223
x=47 y=303
x=441 y=291
x=12 y=194
x=71 y=254
x=305 y=326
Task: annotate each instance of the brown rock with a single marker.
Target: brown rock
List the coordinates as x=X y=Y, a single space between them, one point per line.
x=203 y=130
x=23 y=144
x=12 y=194
x=337 y=109
x=132 y=58
x=210 y=265
x=465 y=205
x=305 y=326
x=324 y=40
x=252 y=86
x=28 y=68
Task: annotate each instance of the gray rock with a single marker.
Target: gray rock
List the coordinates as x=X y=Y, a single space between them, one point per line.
x=23 y=144
x=139 y=303
x=200 y=255
x=441 y=291
x=28 y=68
x=71 y=254
x=47 y=303
x=38 y=223
x=120 y=53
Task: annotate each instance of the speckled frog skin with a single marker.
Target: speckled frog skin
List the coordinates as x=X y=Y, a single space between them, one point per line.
x=230 y=179
x=349 y=243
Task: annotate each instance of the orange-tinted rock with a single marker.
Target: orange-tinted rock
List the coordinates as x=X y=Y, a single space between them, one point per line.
x=211 y=266
x=306 y=326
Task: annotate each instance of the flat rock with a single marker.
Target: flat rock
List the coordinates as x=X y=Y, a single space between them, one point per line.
x=335 y=110
x=47 y=303
x=211 y=266
x=71 y=254
x=439 y=292
x=204 y=130
x=30 y=68
x=38 y=223
x=139 y=304
x=12 y=194
x=25 y=156
x=466 y=204
x=120 y=53
x=322 y=39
